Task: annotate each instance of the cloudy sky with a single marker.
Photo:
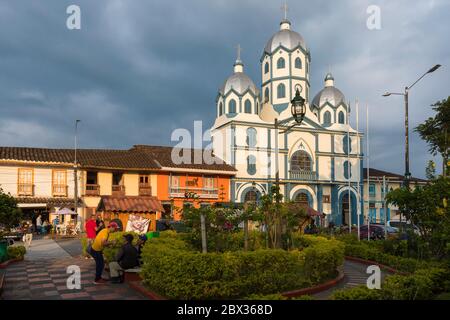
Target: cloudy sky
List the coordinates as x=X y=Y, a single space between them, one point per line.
x=139 y=69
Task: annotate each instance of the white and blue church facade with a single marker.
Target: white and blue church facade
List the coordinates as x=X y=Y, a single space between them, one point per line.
x=319 y=161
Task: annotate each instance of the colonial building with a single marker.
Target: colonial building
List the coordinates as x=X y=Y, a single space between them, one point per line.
x=142 y=180
x=375 y=191
x=319 y=161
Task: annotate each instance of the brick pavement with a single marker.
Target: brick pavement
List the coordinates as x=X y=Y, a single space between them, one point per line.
x=43 y=275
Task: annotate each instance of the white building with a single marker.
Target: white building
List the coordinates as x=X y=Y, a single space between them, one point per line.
x=315 y=164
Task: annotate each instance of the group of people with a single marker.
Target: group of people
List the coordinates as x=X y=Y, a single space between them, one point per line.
x=42 y=227
x=128 y=256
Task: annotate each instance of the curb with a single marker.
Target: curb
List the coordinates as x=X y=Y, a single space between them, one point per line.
x=3 y=265
x=138 y=286
x=317 y=288
x=370 y=262
x=2 y=283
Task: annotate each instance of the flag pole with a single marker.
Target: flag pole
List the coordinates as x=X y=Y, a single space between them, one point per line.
x=368 y=172
x=358 y=204
x=349 y=172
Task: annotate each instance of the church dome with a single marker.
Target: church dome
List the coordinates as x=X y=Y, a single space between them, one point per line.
x=329 y=94
x=239 y=81
x=286 y=38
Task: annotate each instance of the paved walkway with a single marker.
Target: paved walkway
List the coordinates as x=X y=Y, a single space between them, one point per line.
x=43 y=276
x=355 y=275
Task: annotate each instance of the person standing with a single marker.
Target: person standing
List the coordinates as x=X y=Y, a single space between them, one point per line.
x=28 y=236
x=39 y=224
x=100 y=224
x=100 y=242
x=91 y=232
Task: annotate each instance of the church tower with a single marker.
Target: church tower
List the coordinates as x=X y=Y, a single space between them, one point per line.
x=284 y=68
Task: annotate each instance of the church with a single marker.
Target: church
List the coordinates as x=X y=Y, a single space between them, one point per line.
x=319 y=161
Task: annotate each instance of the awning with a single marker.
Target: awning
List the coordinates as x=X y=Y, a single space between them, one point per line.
x=130 y=204
x=65 y=211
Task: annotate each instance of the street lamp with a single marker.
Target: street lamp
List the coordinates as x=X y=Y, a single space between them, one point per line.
x=405 y=95
x=298 y=111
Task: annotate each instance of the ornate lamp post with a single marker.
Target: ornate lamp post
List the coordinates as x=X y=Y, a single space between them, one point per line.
x=298 y=111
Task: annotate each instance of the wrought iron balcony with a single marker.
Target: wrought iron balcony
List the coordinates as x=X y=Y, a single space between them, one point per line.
x=205 y=193
x=59 y=190
x=92 y=190
x=25 y=189
x=145 y=189
x=302 y=175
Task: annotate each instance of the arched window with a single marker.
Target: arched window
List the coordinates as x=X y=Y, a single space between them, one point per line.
x=341 y=117
x=281 y=63
x=346 y=146
x=266 y=95
x=281 y=91
x=251 y=165
x=251 y=137
x=247 y=106
x=232 y=106
x=301 y=161
x=251 y=196
x=347 y=169
x=302 y=198
x=220 y=109
x=298 y=63
x=327 y=117
x=266 y=68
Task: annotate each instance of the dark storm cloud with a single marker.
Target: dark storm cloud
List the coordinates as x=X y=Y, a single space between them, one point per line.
x=139 y=69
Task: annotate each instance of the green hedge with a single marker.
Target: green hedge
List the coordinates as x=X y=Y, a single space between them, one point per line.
x=276 y=296
x=110 y=251
x=176 y=272
x=373 y=253
x=15 y=252
x=424 y=284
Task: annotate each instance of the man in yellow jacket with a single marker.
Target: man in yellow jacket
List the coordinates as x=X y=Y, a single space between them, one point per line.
x=101 y=240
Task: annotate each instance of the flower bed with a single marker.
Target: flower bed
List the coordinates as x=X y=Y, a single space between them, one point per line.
x=172 y=269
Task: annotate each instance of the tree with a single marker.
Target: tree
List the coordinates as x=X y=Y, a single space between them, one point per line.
x=427 y=207
x=10 y=214
x=435 y=132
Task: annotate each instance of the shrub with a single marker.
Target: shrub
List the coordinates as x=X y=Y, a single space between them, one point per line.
x=110 y=251
x=356 y=293
x=173 y=270
x=370 y=252
x=276 y=296
x=422 y=285
x=15 y=252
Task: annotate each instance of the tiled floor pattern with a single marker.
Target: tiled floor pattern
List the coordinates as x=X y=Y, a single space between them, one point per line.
x=43 y=276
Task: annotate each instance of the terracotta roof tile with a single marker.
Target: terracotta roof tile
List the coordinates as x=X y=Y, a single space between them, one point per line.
x=130 y=204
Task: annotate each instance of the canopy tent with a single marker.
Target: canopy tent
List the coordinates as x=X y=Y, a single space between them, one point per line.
x=65 y=211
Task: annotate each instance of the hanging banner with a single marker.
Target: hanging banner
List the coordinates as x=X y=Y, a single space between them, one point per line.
x=137 y=224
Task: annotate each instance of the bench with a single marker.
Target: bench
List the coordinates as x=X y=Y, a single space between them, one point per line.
x=132 y=274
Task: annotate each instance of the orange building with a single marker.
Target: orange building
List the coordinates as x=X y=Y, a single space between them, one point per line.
x=193 y=183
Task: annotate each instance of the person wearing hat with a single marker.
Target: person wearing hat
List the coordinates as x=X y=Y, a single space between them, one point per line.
x=100 y=242
x=126 y=258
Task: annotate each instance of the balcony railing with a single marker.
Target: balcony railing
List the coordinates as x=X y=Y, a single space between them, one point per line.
x=302 y=175
x=118 y=190
x=145 y=189
x=92 y=190
x=25 y=189
x=59 y=190
x=205 y=193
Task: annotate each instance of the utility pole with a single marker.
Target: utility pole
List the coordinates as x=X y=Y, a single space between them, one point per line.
x=384 y=209
x=75 y=171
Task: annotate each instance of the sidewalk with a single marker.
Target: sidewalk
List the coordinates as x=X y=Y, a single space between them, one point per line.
x=43 y=276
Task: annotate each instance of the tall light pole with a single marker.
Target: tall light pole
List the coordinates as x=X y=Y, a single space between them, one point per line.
x=405 y=95
x=298 y=111
x=75 y=170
